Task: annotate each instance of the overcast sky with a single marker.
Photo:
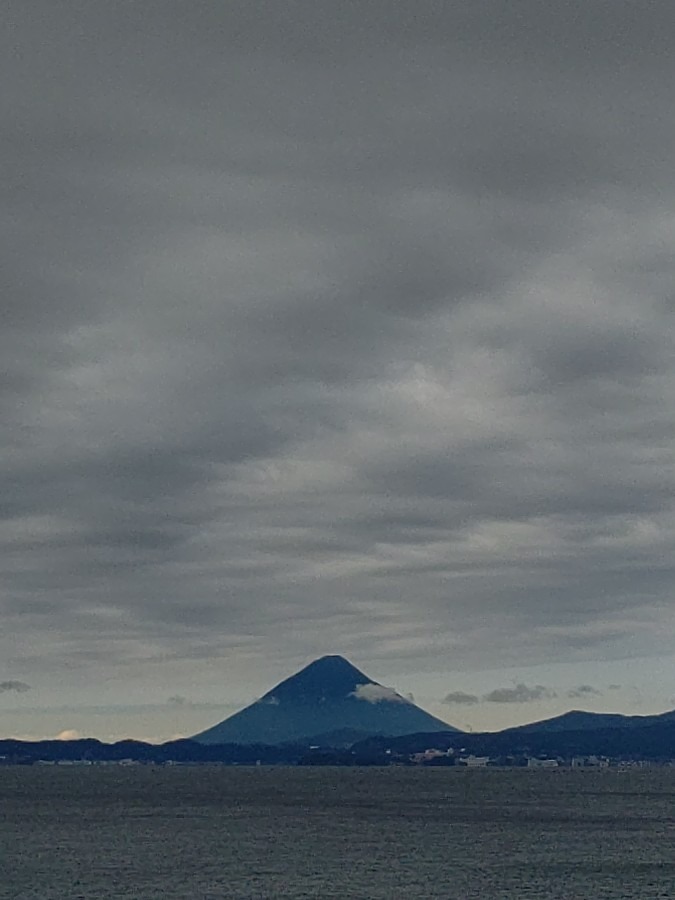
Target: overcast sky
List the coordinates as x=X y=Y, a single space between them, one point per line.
x=335 y=327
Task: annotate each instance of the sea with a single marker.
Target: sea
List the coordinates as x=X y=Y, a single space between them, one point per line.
x=209 y=832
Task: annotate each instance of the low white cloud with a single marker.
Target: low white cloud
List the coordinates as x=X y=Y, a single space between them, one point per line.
x=377 y=693
x=68 y=734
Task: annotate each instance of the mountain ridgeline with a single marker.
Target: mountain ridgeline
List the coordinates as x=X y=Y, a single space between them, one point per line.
x=329 y=696
x=330 y=713
x=580 y=720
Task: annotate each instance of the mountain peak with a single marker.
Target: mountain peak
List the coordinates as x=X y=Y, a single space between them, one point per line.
x=330 y=661
x=327 y=677
x=326 y=695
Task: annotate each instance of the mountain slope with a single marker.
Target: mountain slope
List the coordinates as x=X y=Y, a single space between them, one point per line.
x=581 y=720
x=651 y=741
x=327 y=695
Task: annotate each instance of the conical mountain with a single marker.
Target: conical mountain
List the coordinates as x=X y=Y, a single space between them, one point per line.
x=328 y=695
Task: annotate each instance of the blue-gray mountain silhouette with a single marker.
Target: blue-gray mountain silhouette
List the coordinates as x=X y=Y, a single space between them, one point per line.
x=327 y=695
x=581 y=720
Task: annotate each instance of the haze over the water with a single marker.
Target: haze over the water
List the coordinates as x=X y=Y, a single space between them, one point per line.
x=335 y=328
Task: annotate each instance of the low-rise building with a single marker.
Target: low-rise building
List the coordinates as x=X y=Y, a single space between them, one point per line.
x=589 y=762
x=474 y=762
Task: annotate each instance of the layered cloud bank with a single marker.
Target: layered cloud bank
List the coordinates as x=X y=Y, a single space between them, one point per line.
x=359 y=319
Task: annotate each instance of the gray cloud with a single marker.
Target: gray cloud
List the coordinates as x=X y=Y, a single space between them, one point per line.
x=520 y=693
x=584 y=690
x=355 y=319
x=459 y=698
x=19 y=687
x=178 y=701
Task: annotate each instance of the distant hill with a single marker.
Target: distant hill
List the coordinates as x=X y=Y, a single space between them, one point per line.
x=327 y=696
x=90 y=751
x=580 y=720
x=618 y=737
x=340 y=738
x=654 y=740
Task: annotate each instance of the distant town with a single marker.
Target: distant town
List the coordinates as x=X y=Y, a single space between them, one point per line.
x=408 y=750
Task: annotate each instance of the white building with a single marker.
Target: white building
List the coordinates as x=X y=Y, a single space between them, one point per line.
x=474 y=762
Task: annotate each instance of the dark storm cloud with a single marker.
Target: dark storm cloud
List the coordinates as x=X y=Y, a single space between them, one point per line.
x=353 y=316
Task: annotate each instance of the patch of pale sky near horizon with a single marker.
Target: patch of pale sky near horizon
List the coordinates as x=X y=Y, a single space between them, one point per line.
x=645 y=687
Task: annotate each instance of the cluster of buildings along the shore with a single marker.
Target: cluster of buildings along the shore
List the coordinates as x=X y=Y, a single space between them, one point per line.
x=450 y=757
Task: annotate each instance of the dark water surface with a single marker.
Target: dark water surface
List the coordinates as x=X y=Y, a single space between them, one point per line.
x=197 y=833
